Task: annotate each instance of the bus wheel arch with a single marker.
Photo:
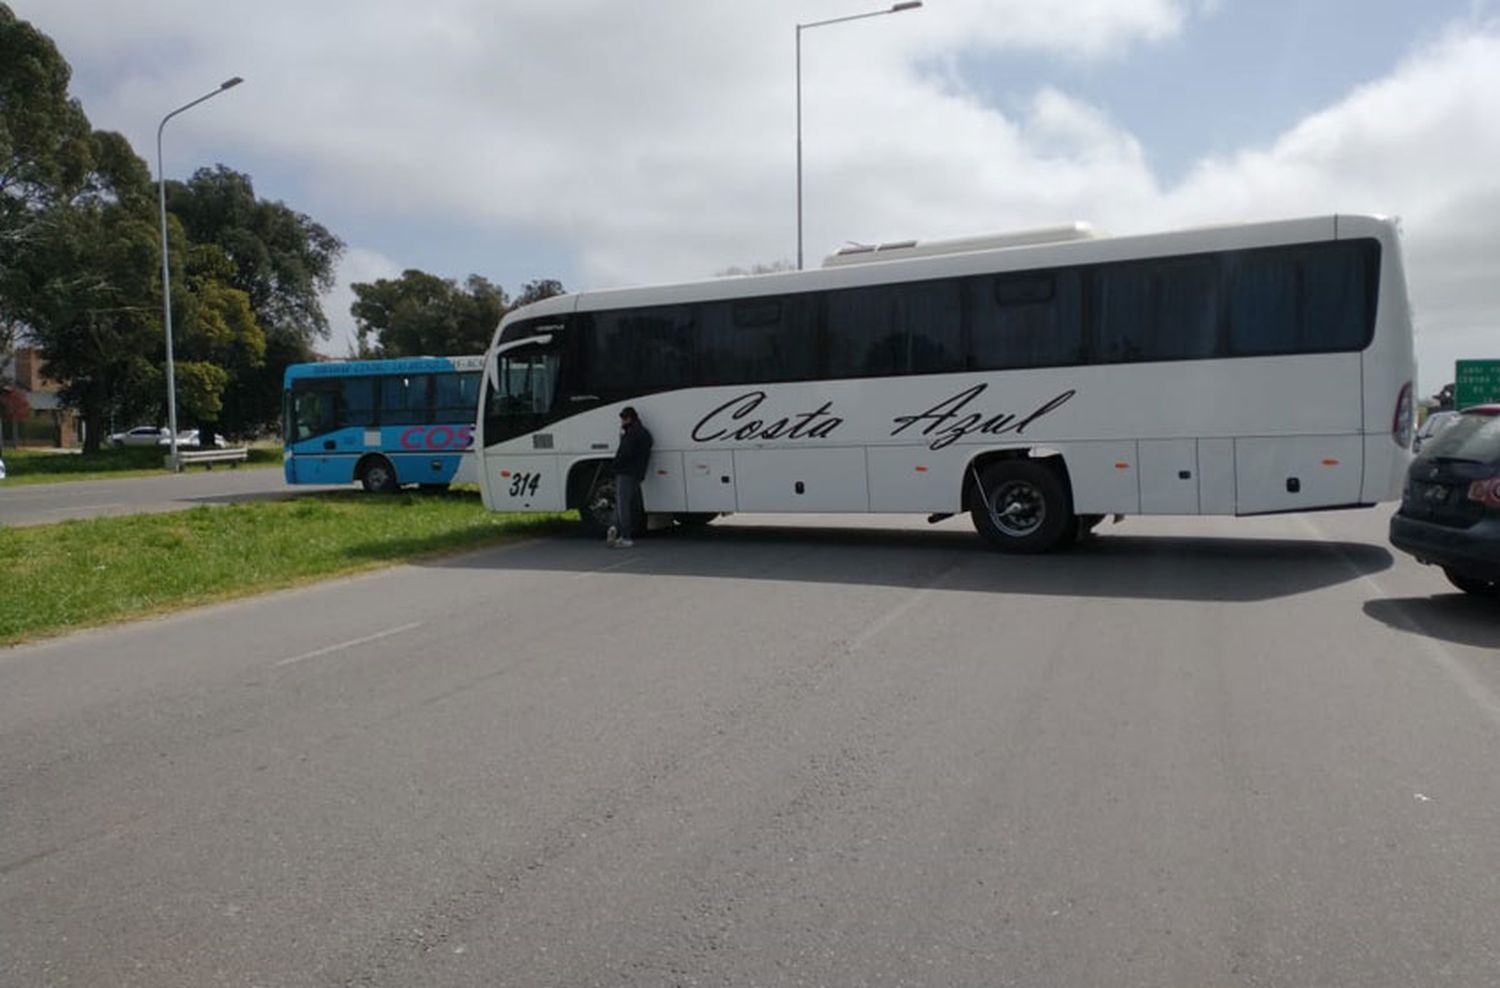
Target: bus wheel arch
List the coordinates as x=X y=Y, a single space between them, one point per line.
x=377 y=474
x=1021 y=501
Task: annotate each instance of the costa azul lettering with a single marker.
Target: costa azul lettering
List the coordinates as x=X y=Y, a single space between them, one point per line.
x=741 y=419
x=437 y=437
x=947 y=422
x=733 y=420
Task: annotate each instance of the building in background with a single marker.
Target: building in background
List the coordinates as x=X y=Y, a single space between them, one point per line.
x=49 y=423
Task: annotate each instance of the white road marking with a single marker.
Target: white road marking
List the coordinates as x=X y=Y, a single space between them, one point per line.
x=348 y=644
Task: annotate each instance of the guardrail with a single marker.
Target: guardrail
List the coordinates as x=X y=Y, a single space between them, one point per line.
x=206 y=458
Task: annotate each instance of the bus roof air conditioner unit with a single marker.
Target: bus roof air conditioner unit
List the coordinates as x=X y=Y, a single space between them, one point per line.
x=903 y=249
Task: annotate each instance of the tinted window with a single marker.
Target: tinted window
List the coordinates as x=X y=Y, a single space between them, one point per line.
x=356 y=401
x=914 y=328
x=1337 y=302
x=638 y=350
x=1263 y=307
x=403 y=399
x=455 y=397
x=861 y=332
x=1026 y=320
x=753 y=340
x=1157 y=310
x=1312 y=299
x=929 y=327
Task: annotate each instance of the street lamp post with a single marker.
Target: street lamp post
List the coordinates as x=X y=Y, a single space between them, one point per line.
x=893 y=9
x=166 y=277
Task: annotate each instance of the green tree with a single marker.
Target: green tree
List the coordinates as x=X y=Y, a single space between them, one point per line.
x=77 y=242
x=86 y=292
x=282 y=261
x=535 y=291
x=422 y=314
x=46 y=147
x=222 y=347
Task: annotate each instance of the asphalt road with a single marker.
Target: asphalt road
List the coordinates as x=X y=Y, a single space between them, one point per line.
x=41 y=504
x=1201 y=752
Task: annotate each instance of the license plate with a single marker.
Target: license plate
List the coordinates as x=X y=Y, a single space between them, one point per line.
x=1434 y=494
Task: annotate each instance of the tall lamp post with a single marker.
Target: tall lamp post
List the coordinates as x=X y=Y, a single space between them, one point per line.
x=166 y=277
x=893 y=9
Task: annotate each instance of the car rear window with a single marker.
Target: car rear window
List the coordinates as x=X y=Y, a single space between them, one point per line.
x=1473 y=437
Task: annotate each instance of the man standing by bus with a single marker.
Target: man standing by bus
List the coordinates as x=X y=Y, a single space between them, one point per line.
x=630 y=469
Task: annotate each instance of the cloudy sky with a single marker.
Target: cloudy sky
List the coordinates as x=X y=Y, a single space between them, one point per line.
x=607 y=143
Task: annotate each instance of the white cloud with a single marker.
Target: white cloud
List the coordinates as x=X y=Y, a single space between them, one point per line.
x=658 y=139
x=359 y=264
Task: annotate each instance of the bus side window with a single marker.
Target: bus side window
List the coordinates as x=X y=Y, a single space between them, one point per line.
x=862 y=337
x=403 y=399
x=751 y=341
x=356 y=405
x=649 y=349
x=1161 y=309
x=455 y=397
x=1030 y=319
x=929 y=317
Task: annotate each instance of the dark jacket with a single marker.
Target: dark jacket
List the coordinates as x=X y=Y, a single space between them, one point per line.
x=634 y=452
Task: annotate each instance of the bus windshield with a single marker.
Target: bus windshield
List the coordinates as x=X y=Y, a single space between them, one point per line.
x=523 y=392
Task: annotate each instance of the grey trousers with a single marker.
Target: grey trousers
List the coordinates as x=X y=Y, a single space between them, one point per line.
x=627 y=496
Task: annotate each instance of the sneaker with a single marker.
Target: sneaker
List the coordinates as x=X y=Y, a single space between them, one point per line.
x=612 y=537
x=624 y=544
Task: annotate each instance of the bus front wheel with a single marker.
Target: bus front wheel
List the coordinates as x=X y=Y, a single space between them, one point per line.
x=596 y=510
x=378 y=476
x=1023 y=506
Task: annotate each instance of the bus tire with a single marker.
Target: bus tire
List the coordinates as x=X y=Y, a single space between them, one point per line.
x=597 y=509
x=377 y=476
x=1023 y=506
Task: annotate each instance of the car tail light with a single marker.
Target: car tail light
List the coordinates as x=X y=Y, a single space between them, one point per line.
x=1401 y=422
x=1486 y=492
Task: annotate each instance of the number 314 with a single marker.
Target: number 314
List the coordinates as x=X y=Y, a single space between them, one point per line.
x=525 y=483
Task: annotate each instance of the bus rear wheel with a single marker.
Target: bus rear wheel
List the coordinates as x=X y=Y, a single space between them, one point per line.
x=378 y=476
x=1023 y=506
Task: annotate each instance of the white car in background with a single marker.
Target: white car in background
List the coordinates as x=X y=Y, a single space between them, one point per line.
x=141 y=435
x=190 y=438
x=2 y=468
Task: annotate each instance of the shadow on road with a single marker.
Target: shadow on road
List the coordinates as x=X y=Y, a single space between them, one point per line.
x=1125 y=567
x=1451 y=617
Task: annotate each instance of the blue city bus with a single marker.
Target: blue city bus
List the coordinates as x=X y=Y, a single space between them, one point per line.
x=383 y=423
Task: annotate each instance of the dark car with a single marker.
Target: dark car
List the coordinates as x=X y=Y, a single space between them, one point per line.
x=1450 y=510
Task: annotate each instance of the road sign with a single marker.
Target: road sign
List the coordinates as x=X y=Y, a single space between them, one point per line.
x=1476 y=382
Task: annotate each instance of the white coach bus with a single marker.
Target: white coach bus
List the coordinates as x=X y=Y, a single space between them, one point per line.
x=1039 y=381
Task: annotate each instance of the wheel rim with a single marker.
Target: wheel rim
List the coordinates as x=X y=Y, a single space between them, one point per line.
x=1018 y=508
x=602 y=504
x=378 y=477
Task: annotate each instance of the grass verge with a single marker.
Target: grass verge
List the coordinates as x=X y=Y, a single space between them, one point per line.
x=27 y=466
x=80 y=573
